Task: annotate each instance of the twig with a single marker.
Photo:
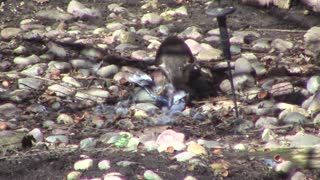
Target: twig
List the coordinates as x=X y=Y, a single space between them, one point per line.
x=284 y=30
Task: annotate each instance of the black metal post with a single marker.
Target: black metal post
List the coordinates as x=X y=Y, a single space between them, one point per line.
x=220 y=14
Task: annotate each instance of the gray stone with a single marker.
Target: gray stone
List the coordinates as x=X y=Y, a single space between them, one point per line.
x=53 y=14
x=294 y=118
x=63 y=67
x=35 y=70
x=32 y=59
x=126 y=163
x=48 y=124
x=163 y=29
x=264 y=108
x=282 y=45
x=139 y=54
x=107 y=71
x=30 y=83
x=112 y=26
x=122 y=47
x=211 y=54
x=19 y=95
x=235 y=49
x=312 y=41
x=147 y=107
x=142 y=96
x=71 y=81
x=238 y=36
x=266 y=122
x=58 y=138
x=98 y=95
x=20 y=50
x=243 y=81
x=88 y=143
x=91 y=53
x=81 y=63
x=57 y=50
x=191 y=32
x=62 y=90
x=181 y=11
x=9 y=110
x=10 y=32
x=242 y=66
x=261 y=45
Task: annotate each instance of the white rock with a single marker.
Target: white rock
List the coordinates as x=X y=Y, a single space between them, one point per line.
x=285 y=167
x=37 y=134
x=71 y=81
x=64 y=118
x=240 y=147
x=79 y=10
x=190 y=178
x=194 y=46
x=115 y=26
x=74 y=175
x=313 y=84
x=62 y=90
x=152 y=18
x=184 y=156
x=282 y=45
x=57 y=139
x=98 y=95
x=181 y=11
x=113 y=176
x=150 y=175
x=84 y=164
x=116 y=8
x=104 y=165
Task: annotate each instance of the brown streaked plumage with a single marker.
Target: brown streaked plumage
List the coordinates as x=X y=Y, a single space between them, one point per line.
x=175 y=59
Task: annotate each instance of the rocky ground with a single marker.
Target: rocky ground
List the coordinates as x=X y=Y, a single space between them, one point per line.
x=69 y=110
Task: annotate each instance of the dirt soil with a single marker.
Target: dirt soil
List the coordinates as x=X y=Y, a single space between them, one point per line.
x=242 y=166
